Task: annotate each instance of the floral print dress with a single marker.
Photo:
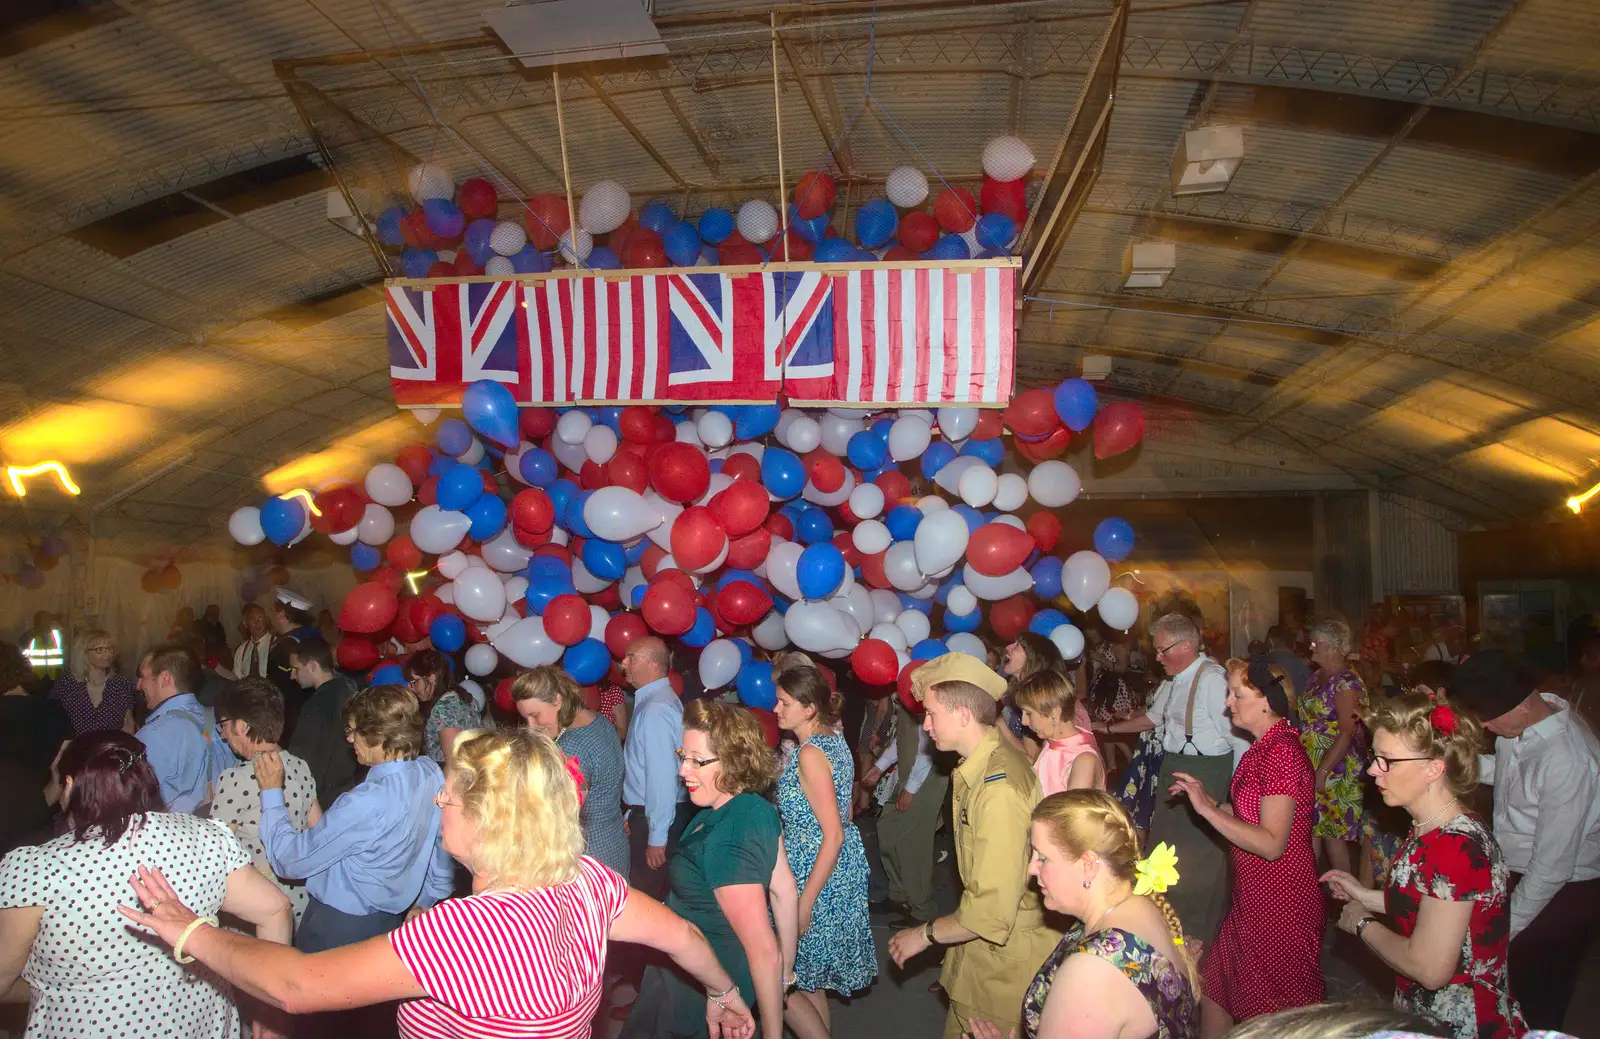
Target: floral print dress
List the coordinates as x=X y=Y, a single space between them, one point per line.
x=1162 y=982
x=1339 y=800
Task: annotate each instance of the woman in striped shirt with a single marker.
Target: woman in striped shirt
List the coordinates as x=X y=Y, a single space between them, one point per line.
x=522 y=956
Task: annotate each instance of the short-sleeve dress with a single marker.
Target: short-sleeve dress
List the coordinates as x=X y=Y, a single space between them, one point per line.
x=120 y=696
x=237 y=805
x=599 y=754
x=1339 y=803
x=723 y=847
x=93 y=975
x=1162 y=983
x=453 y=710
x=837 y=951
x=545 y=976
x=1458 y=862
x=1268 y=952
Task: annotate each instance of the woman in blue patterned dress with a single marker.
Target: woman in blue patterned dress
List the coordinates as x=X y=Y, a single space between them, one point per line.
x=824 y=847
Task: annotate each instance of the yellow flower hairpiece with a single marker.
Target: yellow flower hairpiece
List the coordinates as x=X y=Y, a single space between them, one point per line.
x=1156 y=871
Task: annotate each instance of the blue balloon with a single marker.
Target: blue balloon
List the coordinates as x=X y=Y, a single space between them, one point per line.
x=448 y=632
x=606 y=560
x=548 y=577
x=1047 y=578
x=603 y=258
x=572 y=515
x=927 y=649
x=529 y=260
x=364 y=557
x=702 y=631
x=490 y=409
x=476 y=240
x=587 y=662
x=681 y=242
x=747 y=652
x=903 y=521
x=282 y=519
x=949 y=247
x=876 y=222
x=992 y=452
x=813 y=230
x=537 y=466
x=1046 y=621
x=962 y=622
x=388 y=226
x=973 y=517
x=833 y=250
x=631 y=554
x=488 y=516
x=610 y=416
x=730 y=576
x=756 y=687
x=911 y=602
x=637 y=596
x=561 y=493
x=453 y=437
x=820 y=571
x=658 y=218
x=388 y=674
x=1076 y=402
x=865 y=450
x=880 y=428
x=459 y=488
x=782 y=472
x=995 y=231
x=755 y=420
x=1113 y=538
x=938 y=455
x=941 y=594
x=443 y=217
x=716 y=224
x=813 y=527
x=415 y=262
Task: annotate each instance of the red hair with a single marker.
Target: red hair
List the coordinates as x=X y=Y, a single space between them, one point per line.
x=112 y=782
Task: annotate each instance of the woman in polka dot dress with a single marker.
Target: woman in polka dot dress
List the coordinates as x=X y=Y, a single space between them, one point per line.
x=87 y=972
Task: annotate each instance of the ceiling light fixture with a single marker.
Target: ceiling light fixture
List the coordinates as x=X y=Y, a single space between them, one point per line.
x=412 y=579
x=15 y=474
x=1576 y=502
x=305 y=496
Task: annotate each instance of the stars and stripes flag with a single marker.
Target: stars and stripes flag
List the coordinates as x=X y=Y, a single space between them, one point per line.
x=867 y=335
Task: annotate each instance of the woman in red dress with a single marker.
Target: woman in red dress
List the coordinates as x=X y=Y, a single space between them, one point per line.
x=1267 y=955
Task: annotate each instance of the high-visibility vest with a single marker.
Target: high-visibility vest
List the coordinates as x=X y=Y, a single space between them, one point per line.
x=45 y=654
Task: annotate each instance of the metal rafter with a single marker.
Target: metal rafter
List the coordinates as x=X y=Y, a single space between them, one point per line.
x=633 y=131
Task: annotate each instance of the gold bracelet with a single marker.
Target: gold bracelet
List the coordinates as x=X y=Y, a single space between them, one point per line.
x=177 y=946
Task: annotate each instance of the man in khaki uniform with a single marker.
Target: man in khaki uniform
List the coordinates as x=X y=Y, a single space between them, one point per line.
x=997 y=936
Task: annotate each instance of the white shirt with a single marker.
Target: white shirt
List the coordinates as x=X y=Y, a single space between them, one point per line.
x=242 y=660
x=919 y=767
x=1213 y=730
x=1546 y=812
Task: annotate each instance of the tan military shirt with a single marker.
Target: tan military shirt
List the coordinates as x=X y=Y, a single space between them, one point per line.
x=992 y=797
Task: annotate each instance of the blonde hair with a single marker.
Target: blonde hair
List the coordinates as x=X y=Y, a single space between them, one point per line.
x=1410 y=717
x=1046 y=691
x=737 y=741
x=551 y=685
x=1330 y=1021
x=389 y=717
x=80 y=650
x=1081 y=821
x=517 y=793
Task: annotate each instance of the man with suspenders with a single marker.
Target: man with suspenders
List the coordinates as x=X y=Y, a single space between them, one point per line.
x=185 y=752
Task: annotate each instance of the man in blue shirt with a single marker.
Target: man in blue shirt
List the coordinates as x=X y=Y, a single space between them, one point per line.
x=178 y=736
x=658 y=808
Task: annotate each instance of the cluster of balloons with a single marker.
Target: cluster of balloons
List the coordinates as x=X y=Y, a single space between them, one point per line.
x=456 y=231
x=166 y=578
x=565 y=534
x=44 y=557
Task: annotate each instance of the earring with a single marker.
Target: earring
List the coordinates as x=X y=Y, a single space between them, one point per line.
x=1087 y=884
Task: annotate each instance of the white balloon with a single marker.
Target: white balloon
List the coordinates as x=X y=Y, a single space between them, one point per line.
x=996 y=588
x=940 y=540
x=663 y=512
x=968 y=643
x=1012 y=493
x=505 y=553
x=1007 y=158
x=559 y=536
x=929 y=504
x=1069 y=640
x=957 y=423
x=508 y=237
x=481 y=658
x=1085 y=576
x=619 y=514
x=585 y=581
x=900 y=566
x=892 y=633
x=909 y=437
x=600 y=444
x=478 y=562
x=388 y=484
x=949 y=477
x=245 y=525
x=719 y=663
x=1053 y=484
x=830 y=498
x=927 y=591
x=805 y=434
x=718 y=483
x=632 y=578
x=978 y=485
x=377 y=525
x=426 y=416
x=1119 y=608
x=479 y=594
x=446 y=594
x=836 y=433
x=757 y=221
x=685 y=433
x=960 y=601
x=472 y=455
x=585 y=246
x=856 y=601
x=782 y=559
x=925 y=414
x=525 y=644
x=871 y=537
x=885 y=605
x=516 y=588
x=570 y=455
x=344 y=537
x=452 y=565
x=572 y=427
x=598 y=619
x=436 y=531
x=604 y=207
x=769 y=633
x=428 y=180
x=906 y=187
x=498 y=267
x=866 y=501
x=1010 y=521
x=817 y=627
x=715 y=429
x=915 y=625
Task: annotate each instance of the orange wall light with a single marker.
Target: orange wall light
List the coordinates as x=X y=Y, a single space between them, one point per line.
x=16 y=474
x=1576 y=502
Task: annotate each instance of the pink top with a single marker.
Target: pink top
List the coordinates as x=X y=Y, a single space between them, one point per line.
x=1055 y=761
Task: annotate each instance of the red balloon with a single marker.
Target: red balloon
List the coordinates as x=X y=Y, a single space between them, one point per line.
x=769 y=724
x=477 y=198
x=442 y=269
x=428 y=493
x=779 y=526
x=900 y=252
x=697 y=538
x=990 y=424
x=1009 y=617
x=738 y=254
x=955 y=210
x=1052 y=446
x=618 y=240
x=566 y=619
x=653 y=555
x=740 y=507
x=679 y=472
x=536 y=422
x=794 y=248
x=675 y=680
x=402 y=554
x=918 y=232
x=667 y=607
x=502 y=695
x=998 y=548
x=622 y=631
x=814 y=194
x=847 y=547
x=390 y=578
x=874 y=662
x=403 y=630
x=532 y=510
x=424 y=610
x=464 y=267
x=414 y=461
x=742 y=466
x=742 y=602
x=1005 y=196
x=825 y=471
x=627 y=469
x=638 y=424
x=682 y=580
x=355 y=653
x=902 y=688
x=546 y=219
x=592 y=476
x=1118 y=426
x=341 y=509
x=895 y=487
x=645 y=250
x=607 y=598
x=666 y=429
x=530 y=538
x=748 y=552
x=1046 y=530
x=368 y=608
x=1032 y=413
x=872 y=570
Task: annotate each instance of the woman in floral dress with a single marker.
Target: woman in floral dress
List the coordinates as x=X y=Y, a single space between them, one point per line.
x=1336 y=741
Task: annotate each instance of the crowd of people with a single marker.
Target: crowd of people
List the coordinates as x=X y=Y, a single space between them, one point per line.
x=317 y=858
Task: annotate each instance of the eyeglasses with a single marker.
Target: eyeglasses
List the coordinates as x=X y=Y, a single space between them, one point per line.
x=1385 y=764
x=1162 y=651
x=696 y=762
x=99 y=649
x=349 y=731
x=439 y=800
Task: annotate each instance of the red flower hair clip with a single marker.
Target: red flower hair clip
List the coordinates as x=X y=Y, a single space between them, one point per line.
x=1443 y=719
x=575 y=770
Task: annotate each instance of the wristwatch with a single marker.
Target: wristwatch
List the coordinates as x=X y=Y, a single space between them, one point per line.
x=927 y=932
x=1362 y=926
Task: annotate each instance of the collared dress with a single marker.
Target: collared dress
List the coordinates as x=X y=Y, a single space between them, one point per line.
x=120 y=696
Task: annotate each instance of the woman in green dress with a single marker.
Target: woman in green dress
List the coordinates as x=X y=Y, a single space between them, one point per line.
x=721 y=873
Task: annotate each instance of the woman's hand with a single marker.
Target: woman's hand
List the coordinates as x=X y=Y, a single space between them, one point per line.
x=735 y=1022
x=165 y=914
x=806 y=902
x=870 y=779
x=1344 y=886
x=907 y=943
x=1322 y=776
x=1351 y=916
x=1190 y=787
x=979 y=1028
x=269 y=770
